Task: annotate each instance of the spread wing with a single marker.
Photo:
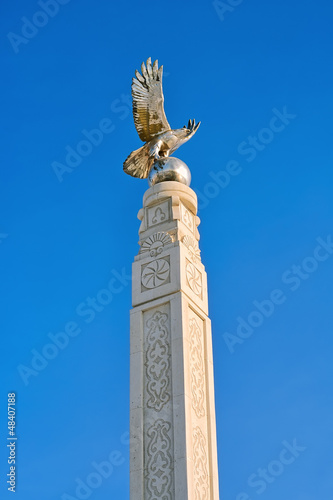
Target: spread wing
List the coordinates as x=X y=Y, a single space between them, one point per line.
x=148 y=109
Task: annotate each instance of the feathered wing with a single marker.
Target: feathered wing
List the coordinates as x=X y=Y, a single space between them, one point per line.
x=138 y=163
x=148 y=109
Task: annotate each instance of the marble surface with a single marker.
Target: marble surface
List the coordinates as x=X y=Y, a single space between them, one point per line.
x=173 y=453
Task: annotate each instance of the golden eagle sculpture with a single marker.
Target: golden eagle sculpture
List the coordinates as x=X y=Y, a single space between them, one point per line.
x=152 y=159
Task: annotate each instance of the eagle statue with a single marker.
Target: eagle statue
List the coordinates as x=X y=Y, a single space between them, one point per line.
x=151 y=123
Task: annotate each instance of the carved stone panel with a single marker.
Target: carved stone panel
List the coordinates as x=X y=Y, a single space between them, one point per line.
x=192 y=247
x=158 y=361
x=155 y=273
x=158 y=214
x=200 y=465
x=187 y=217
x=197 y=366
x=158 y=415
x=194 y=278
x=159 y=473
x=155 y=244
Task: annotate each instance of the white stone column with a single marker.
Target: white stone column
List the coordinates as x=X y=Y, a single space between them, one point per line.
x=173 y=452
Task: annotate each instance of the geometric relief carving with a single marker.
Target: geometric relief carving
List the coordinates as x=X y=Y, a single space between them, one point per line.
x=197 y=369
x=194 y=278
x=186 y=217
x=159 y=471
x=155 y=243
x=158 y=363
x=158 y=214
x=192 y=247
x=201 y=485
x=155 y=273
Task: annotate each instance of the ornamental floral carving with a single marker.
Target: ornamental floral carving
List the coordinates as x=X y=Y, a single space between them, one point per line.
x=192 y=247
x=156 y=273
x=155 y=243
x=197 y=369
x=194 y=278
x=158 y=367
x=187 y=217
x=159 y=477
x=201 y=485
x=159 y=216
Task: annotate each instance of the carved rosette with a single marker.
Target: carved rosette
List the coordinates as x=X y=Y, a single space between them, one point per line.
x=154 y=244
x=200 y=465
x=197 y=369
x=159 y=476
x=194 y=278
x=158 y=354
x=156 y=273
x=192 y=247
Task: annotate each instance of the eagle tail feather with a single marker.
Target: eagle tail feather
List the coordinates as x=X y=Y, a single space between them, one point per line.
x=138 y=163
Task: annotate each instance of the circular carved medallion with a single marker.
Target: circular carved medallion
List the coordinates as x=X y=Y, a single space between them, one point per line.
x=156 y=273
x=193 y=278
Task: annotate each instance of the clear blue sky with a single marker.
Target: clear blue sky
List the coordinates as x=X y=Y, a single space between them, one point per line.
x=259 y=77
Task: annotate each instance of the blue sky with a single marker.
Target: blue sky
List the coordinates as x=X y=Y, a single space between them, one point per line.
x=259 y=77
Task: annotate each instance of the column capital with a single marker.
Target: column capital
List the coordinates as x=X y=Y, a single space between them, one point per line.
x=172 y=207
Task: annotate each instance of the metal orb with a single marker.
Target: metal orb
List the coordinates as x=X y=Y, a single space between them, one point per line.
x=169 y=169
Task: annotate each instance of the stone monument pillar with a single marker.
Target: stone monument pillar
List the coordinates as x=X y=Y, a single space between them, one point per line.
x=173 y=452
